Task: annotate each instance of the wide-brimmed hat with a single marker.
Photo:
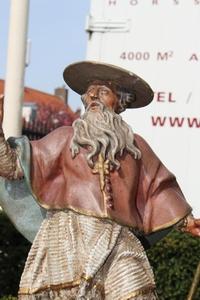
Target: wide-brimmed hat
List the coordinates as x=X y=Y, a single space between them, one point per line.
x=79 y=75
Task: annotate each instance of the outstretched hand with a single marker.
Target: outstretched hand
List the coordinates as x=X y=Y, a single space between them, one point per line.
x=1 y=109
x=193 y=226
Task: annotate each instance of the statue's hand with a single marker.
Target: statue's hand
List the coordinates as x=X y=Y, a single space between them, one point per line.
x=1 y=109
x=193 y=226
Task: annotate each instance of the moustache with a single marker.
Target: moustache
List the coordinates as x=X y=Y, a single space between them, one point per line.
x=95 y=105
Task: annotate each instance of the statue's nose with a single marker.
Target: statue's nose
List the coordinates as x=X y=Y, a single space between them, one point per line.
x=94 y=95
x=93 y=98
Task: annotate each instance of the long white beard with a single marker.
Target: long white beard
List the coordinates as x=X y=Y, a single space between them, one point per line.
x=103 y=131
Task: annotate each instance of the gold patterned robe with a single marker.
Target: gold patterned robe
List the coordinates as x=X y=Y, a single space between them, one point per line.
x=76 y=256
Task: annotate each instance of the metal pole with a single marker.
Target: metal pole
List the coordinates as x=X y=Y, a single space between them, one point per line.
x=14 y=86
x=195 y=283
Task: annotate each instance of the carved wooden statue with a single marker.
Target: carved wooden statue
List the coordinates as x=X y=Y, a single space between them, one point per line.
x=91 y=192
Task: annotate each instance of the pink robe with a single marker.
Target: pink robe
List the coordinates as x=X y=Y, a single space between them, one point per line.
x=146 y=196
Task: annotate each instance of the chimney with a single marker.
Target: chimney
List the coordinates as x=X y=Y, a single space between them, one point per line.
x=62 y=93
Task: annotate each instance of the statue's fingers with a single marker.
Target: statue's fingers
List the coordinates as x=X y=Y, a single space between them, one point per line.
x=195 y=231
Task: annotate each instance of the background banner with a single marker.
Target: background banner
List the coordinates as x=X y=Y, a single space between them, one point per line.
x=159 y=41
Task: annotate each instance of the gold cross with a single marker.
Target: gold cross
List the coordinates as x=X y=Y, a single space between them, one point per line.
x=101 y=167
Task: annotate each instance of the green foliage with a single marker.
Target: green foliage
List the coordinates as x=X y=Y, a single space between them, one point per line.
x=174 y=261
x=13 y=252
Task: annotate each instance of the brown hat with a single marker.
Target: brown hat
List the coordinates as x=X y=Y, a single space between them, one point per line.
x=79 y=75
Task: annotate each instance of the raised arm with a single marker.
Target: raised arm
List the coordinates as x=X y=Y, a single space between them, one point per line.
x=9 y=164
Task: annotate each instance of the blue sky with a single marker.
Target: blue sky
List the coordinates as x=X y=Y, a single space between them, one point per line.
x=58 y=38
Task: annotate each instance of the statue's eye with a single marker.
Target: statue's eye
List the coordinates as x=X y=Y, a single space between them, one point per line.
x=90 y=91
x=104 y=92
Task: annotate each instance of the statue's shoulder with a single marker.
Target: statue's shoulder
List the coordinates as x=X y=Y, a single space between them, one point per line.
x=140 y=141
x=61 y=131
x=147 y=152
x=55 y=140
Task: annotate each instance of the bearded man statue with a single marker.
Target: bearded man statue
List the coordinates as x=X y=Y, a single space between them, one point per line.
x=94 y=191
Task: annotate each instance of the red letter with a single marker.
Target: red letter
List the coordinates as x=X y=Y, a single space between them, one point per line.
x=164 y=55
x=114 y=2
x=170 y=98
x=156 y=121
x=161 y=96
x=133 y=2
x=193 y=122
x=176 y=121
x=155 y=2
x=193 y=57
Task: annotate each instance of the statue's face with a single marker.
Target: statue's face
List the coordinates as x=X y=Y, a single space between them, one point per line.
x=100 y=93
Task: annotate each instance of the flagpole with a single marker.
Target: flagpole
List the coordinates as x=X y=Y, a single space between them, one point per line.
x=16 y=56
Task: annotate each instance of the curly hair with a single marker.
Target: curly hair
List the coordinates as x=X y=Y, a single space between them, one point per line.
x=124 y=99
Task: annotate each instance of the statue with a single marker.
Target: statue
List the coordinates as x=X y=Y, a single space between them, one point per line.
x=99 y=191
